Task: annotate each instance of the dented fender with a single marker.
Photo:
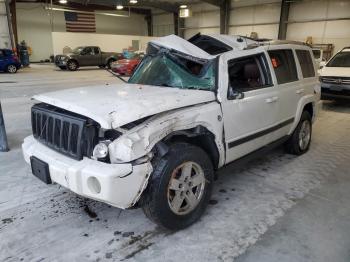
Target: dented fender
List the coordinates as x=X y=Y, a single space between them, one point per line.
x=139 y=141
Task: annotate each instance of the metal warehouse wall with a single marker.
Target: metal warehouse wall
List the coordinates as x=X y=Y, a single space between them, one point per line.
x=306 y=18
x=5 y=41
x=33 y=23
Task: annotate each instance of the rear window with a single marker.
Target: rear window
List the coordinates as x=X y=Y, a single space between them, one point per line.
x=306 y=63
x=284 y=65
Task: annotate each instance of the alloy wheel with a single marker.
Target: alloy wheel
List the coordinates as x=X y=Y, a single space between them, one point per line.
x=186 y=188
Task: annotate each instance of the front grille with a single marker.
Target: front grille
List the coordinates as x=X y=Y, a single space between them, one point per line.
x=336 y=80
x=66 y=132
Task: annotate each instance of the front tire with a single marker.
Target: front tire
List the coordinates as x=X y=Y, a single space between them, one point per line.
x=180 y=187
x=11 y=69
x=299 y=142
x=72 y=65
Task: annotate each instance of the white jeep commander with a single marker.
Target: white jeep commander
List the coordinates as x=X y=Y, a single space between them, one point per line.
x=190 y=108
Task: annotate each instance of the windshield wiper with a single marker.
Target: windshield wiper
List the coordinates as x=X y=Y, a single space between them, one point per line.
x=196 y=88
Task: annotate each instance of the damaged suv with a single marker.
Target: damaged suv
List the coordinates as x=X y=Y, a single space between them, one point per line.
x=189 y=108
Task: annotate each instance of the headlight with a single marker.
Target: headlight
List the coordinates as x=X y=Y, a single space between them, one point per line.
x=63 y=58
x=100 y=150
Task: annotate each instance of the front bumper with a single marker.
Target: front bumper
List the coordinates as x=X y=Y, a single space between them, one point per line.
x=121 y=185
x=330 y=91
x=61 y=63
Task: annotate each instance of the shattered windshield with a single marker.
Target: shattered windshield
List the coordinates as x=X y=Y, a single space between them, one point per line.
x=169 y=69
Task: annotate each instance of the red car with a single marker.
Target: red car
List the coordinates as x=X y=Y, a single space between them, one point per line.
x=126 y=66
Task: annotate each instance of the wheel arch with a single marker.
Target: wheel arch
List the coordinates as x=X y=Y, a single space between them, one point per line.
x=199 y=136
x=307 y=103
x=74 y=60
x=110 y=58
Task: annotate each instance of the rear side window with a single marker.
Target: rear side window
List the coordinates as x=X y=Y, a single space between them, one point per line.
x=284 y=65
x=96 y=50
x=306 y=63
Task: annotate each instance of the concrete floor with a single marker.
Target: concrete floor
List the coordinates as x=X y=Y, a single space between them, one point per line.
x=279 y=208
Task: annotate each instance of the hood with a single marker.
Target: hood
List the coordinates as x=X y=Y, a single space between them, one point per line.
x=335 y=71
x=115 y=105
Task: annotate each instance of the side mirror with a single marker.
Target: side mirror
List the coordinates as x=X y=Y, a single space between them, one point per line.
x=322 y=64
x=234 y=94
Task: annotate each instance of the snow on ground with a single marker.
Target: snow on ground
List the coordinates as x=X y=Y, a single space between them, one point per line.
x=49 y=223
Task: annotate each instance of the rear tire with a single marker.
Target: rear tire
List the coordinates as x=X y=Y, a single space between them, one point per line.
x=109 y=63
x=179 y=188
x=299 y=142
x=11 y=69
x=72 y=65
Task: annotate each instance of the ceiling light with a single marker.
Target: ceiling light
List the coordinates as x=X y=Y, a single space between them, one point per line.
x=63 y=1
x=133 y=1
x=183 y=6
x=120 y=7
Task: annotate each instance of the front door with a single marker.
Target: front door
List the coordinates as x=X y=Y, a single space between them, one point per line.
x=252 y=102
x=87 y=57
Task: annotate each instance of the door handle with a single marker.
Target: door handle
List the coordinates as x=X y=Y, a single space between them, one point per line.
x=271 y=99
x=300 y=91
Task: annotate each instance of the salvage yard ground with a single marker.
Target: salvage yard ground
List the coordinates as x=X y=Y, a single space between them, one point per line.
x=277 y=208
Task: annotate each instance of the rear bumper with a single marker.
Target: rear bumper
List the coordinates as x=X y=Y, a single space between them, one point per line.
x=120 y=185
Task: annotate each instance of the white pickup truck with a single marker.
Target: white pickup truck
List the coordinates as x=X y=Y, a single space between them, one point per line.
x=189 y=108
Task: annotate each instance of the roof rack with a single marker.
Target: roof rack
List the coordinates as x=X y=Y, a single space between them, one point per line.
x=277 y=42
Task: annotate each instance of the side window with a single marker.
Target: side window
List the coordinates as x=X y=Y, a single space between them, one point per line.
x=96 y=50
x=87 y=51
x=284 y=65
x=306 y=63
x=248 y=73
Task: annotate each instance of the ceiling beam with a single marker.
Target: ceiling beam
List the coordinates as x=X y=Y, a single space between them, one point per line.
x=217 y=3
x=165 y=6
x=225 y=11
x=284 y=15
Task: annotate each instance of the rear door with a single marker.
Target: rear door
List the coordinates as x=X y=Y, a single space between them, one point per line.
x=97 y=56
x=289 y=83
x=251 y=102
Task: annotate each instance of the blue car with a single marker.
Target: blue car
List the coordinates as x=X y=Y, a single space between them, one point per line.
x=9 y=62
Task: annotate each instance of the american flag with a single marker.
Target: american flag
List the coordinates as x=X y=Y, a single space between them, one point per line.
x=80 y=22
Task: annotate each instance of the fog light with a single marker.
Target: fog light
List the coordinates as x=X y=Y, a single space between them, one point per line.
x=94 y=185
x=100 y=151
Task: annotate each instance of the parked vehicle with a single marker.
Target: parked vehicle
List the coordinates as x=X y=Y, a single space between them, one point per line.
x=189 y=108
x=86 y=56
x=335 y=76
x=126 y=66
x=9 y=62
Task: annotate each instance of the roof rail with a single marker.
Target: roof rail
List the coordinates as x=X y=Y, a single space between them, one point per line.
x=346 y=47
x=277 y=42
